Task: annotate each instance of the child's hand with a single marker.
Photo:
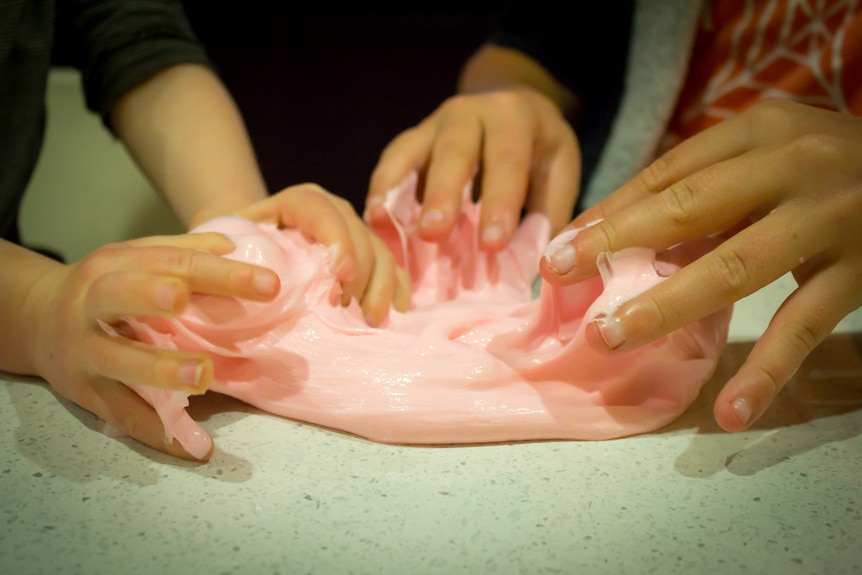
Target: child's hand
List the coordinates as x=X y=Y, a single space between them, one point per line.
x=518 y=139
x=361 y=260
x=82 y=347
x=781 y=185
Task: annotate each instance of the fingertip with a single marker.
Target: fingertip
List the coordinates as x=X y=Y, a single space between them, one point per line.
x=434 y=224
x=341 y=259
x=733 y=414
x=175 y=448
x=605 y=333
x=549 y=274
x=266 y=284
x=560 y=257
x=196 y=374
x=171 y=295
x=372 y=318
x=494 y=237
x=375 y=213
x=741 y=402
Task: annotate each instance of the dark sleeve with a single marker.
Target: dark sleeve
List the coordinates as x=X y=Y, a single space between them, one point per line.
x=585 y=49
x=119 y=44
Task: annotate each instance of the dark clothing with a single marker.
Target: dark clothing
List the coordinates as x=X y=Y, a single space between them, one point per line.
x=116 y=44
x=586 y=50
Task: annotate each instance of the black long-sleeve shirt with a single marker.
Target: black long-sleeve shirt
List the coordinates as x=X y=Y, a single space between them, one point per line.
x=116 y=44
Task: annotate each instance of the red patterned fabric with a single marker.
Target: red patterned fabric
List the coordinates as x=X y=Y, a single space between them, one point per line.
x=751 y=50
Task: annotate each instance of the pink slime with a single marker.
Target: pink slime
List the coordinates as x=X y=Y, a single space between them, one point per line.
x=476 y=359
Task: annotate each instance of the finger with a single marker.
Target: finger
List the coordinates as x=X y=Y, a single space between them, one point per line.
x=316 y=213
x=123 y=409
x=360 y=249
x=204 y=272
x=803 y=321
x=136 y=363
x=741 y=265
x=408 y=152
x=454 y=158
x=555 y=183
x=403 y=290
x=385 y=288
x=706 y=202
x=207 y=273
x=211 y=242
x=723 y=141
x=508 y=148
x=119 y=294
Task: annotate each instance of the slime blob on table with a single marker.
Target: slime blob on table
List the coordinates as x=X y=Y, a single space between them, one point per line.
x=476 y=359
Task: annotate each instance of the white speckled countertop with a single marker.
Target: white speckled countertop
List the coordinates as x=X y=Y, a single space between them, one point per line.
x=283 y=497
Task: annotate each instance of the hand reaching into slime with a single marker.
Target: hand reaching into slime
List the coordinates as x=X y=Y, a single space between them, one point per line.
x=528 y=153
x=781 y=185
x=82 y=347
x=360 y=259
x=80 y=341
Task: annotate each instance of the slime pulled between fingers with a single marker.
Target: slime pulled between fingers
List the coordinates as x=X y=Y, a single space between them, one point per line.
x=476 y=358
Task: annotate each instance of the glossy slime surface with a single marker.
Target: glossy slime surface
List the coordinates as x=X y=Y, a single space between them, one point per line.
x=476 y=359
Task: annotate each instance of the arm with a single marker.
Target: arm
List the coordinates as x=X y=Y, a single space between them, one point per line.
x=66 y=323
x=185 y=132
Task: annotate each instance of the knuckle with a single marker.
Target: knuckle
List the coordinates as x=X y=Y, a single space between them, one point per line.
x=769 y=379
x=655 y=177
x=729 y=268
x=342 y=204
x=770 y=112
x=177 y=260
x=507 y=101
x=801 y=338
x=600 y=237
x=660 y=315
x=451 y=143
x=455 y=101
x=817 y=147
x=678 y=203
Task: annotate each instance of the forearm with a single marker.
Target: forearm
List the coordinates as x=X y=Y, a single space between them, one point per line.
x=22 y=269
x=496 y=67
x=186 y=133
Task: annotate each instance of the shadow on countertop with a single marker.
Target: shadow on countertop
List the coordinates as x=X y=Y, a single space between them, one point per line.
x=803 y=417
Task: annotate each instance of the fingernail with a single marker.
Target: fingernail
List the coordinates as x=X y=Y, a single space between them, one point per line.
x=166 y=297
x=265 y=283
x=372 y=204
x=492 y=234
x=742 y=409
x=611 y=330
x=560 y=254
x=432 y=217
x=190 y=373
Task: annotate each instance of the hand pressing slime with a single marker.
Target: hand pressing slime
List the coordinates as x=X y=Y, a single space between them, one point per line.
x=476 y=359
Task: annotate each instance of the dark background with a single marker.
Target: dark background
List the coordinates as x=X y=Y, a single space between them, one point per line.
x=323 y=91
